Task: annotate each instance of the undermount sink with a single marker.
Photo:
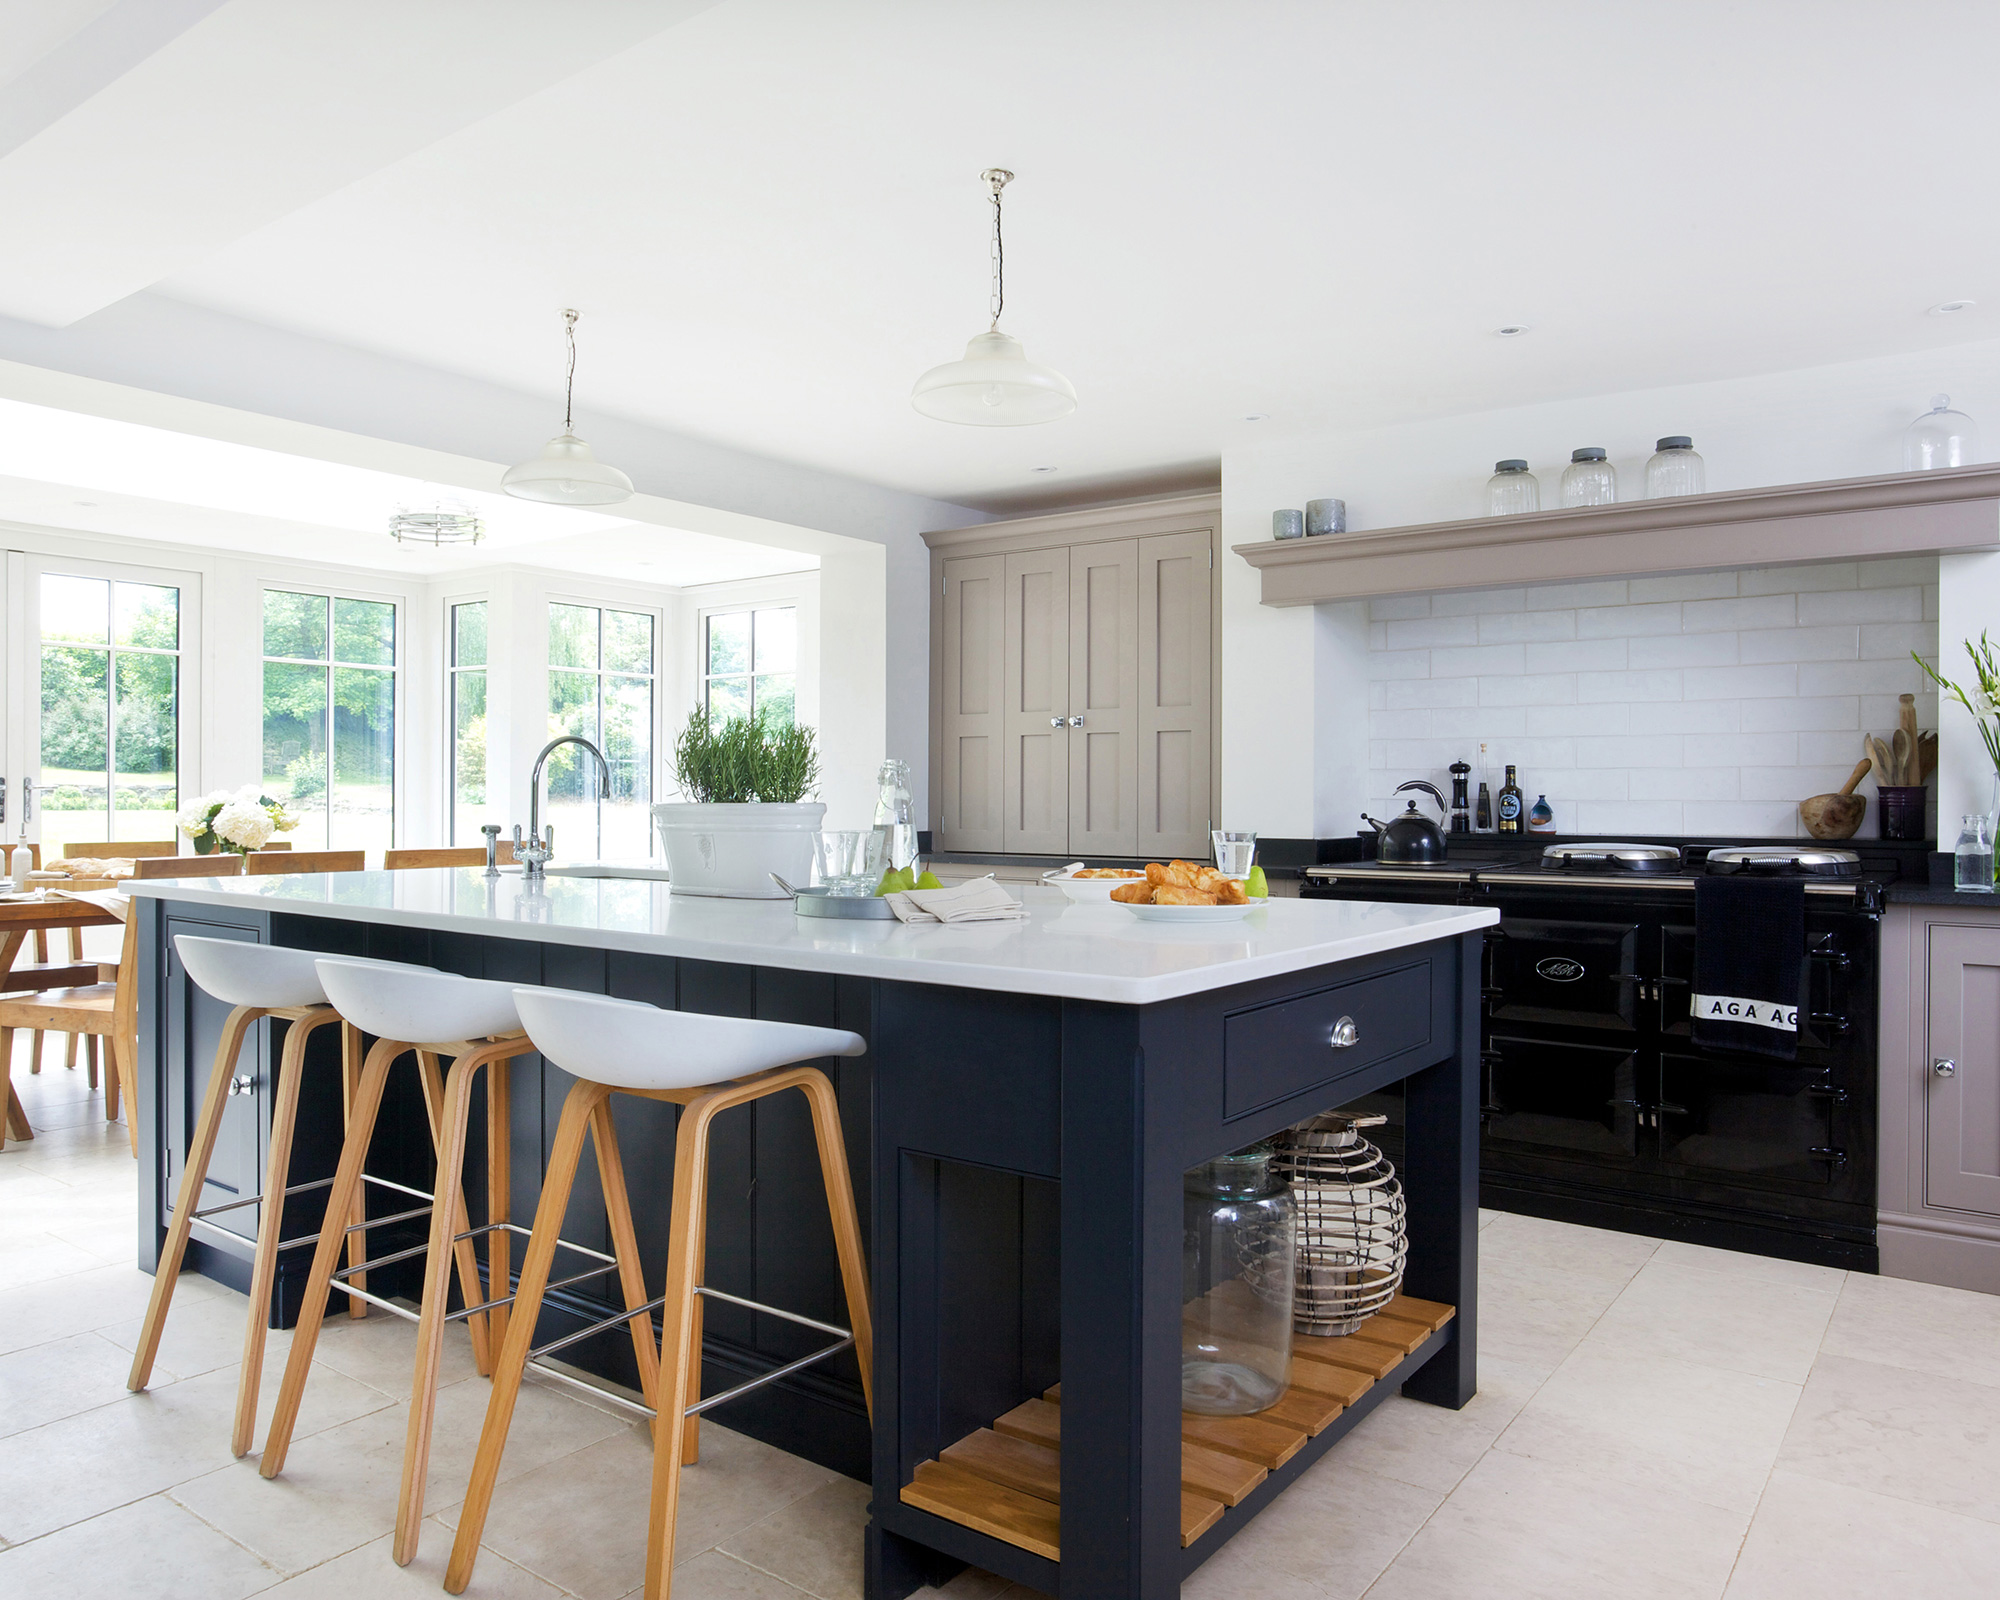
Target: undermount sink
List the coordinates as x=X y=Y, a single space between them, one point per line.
x=655 y=871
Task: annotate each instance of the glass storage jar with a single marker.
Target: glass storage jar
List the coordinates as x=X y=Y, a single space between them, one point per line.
x=1236 y=1285
x=1589 y=479
x=1512 y=490
x=1675 y=469
x=1941 y=437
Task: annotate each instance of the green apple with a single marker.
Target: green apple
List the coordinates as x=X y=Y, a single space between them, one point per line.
x=1256 y=886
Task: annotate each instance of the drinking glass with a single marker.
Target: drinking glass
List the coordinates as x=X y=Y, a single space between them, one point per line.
x=1235 y=853
x=841 y=860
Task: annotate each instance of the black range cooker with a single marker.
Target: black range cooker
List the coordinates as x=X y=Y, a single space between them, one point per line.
x=1597 y=1105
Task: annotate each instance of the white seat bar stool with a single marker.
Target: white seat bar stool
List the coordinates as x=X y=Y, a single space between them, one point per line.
x=258 y=981
x=473 y=1022
x=707 y=1065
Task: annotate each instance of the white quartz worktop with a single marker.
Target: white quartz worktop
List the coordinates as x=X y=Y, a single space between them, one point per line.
x=1076 y=952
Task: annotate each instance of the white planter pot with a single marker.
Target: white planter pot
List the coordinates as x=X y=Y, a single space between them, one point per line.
x=732 y=850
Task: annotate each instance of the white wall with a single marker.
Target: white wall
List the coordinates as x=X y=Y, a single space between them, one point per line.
x=1828 y=422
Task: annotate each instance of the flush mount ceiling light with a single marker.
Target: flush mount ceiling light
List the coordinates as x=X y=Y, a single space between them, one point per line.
x=565 y=473
x=1951 y=308
x=447 y=522
x=1258 y=416
x=1041 y=469
x=1512 y=330
x=996 y=385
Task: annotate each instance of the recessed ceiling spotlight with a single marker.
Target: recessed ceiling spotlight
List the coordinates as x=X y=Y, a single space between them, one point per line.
x=1949 y=308
x=1258 y=416
x=87 y=504
x=1512 y=330
x=1041 y=469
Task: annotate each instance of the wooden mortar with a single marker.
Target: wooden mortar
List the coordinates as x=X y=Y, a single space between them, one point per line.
x=1836 y=816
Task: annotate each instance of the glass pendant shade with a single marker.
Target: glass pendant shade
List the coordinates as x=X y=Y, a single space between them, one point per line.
x=995 y=386
x=565 y=473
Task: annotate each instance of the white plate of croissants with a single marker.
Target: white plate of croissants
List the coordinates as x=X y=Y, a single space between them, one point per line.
x=1182 y=891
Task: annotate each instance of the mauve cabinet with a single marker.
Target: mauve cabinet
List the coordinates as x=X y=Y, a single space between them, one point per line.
x=1939 y=1196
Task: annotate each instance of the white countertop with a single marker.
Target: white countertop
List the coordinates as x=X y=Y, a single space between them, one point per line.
x=1076 y=952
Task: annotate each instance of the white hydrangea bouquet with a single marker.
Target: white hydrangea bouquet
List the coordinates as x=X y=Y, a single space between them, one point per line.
x=236 y=823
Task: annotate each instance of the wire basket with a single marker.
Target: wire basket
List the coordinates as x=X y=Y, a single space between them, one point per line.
x=1353 y=1232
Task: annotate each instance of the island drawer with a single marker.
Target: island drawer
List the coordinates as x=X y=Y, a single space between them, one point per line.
x=1314 y=1041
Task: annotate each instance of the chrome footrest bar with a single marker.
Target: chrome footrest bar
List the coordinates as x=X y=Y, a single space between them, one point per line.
x=788 y=1368
x=775 y=1311
x=599 y=1326
x=323 y=1183
x=389 y=1306
x=508 y=1300
x=637 y=1407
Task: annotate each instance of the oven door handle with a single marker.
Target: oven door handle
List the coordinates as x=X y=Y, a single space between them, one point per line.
x=1832 y=1155
x=1832 y=1021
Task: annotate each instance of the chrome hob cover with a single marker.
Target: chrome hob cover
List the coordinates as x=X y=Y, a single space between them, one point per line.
x=1614 y=857
x=1786 y=861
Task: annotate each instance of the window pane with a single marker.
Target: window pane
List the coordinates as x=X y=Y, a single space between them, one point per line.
x=573 y=636
x=625 y=831
x=364 y=632
x=728 y=697
x=468 y=743
x=778 y=639
x=571 y=803
x=628 y=641
x=364 y=759
x=295 y=625
x=143 y=785
x=468 y=624
x=777 y=699
x=729 y=643
x=75 y=610
x=75 y=716
x=295 y=747
x=148 y=615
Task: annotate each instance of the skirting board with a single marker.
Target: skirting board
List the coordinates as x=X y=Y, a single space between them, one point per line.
x=1956 y=1254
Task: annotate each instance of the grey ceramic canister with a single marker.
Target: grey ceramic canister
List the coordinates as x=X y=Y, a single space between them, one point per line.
x=1288 y=524
x=1325 y=516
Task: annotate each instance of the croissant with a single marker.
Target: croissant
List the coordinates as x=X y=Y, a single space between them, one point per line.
x=1134 y=894
x=1174 y=895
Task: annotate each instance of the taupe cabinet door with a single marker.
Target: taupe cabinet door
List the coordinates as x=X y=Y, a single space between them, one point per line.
x=1104 y=699
x=1175 y=661
x=1962 y=1137
x=1036 y=768
x=972 y=698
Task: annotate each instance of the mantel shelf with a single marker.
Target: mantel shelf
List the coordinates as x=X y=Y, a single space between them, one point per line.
x=1900 y=514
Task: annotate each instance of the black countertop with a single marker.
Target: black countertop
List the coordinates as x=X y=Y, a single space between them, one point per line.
x=1941 y=894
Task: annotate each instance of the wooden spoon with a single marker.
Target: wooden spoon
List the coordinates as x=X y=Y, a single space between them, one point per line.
x=1902 y=752
x=1836 y=816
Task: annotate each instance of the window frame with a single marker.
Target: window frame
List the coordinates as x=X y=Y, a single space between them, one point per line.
x=551 y=598
x=448 y=656
x=703 y=677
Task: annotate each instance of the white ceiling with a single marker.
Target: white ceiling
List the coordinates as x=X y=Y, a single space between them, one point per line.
x=768 y=210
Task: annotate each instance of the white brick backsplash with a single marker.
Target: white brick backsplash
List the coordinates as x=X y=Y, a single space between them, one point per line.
x=1511 y=627
x=1707 y=703
x=1835 y=642
x=1722 y=616
x=1863 y=605
x=1627 y=622
x=1423 y=632
x=1683 y=650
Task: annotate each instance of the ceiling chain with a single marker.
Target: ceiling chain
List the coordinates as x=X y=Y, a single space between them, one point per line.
x=996 y=179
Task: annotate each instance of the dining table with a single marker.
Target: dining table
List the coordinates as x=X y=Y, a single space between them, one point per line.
x=45 y=910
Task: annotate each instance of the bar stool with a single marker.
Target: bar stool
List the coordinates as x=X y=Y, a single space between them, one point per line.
x=705 y=1064
x=473 y=1022
x=259 y=981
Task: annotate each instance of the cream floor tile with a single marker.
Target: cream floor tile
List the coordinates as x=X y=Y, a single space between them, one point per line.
x=1814 y=1540
x=973 y=1583
x=1922 y=1326
x=715 y=1576
x=370 y=1572
x=1534 y=1316
x=151 y=1548
x=46 y=1382
x=1231 y=1574
x=1913 y=1435
x=813 y=1544
x=1520 y=1529
x=83 y=1301
x=1530 y=1242
x=204 y=1333
x=1767 y=1329
x=380 y=1350
x=1330 y=1536
x=35 y=1256
x=1739 y=1263
x=1705 y=1432
x=1429 y=1446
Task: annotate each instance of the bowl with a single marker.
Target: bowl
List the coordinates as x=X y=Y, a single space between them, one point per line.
x=1089 y=891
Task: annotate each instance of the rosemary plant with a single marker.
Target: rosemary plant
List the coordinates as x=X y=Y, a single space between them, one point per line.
x=741 y=761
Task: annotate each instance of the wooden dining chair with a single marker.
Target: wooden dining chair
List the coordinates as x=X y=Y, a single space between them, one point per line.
x=276 y=844
x=105 y=1010
x=472 y=855
x=261 y=864
x=42 y=973
x=131 y=849
x=220 y=865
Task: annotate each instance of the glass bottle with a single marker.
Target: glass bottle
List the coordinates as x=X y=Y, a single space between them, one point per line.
x=1512 y=490
x=1237 y=1249
x=1541 y=816
x=1483 y=812
x=1941 y=437
x=1589 y=479
x=1510 y=804
x=1972 y=861
x=895 y=829
x=1675 y=469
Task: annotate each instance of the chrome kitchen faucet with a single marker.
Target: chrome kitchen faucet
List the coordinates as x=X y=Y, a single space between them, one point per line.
x=534 y=852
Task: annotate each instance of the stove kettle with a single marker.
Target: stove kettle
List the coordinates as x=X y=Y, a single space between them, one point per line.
x=1412 y=839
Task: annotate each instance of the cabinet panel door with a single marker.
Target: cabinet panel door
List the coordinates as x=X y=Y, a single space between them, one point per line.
x=1035 y=766
x=1576 y=1102
x=972 y=700
x=1104 y=692
x=1962 y=1132
x=1175 y=663
x=194 y=1023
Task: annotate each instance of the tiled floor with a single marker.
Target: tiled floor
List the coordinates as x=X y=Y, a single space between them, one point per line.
x=1654 y=1420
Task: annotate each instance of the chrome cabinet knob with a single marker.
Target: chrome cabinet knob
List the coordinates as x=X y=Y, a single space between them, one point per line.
x=1055 y=722
x=1076 y=722
x=1345 y=1034
x=1944 y=1068
x=243 y=1085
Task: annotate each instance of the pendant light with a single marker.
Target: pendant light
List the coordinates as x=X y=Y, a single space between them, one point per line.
x=996 y=385
x=565 y=473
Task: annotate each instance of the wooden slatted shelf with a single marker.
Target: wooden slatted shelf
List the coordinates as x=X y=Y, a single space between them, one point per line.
x=1006 y=1481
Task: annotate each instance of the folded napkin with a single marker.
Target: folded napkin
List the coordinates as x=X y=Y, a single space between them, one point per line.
x=981 y=900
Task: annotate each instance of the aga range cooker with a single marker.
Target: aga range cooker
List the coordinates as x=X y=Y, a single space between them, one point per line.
x=1599 y=1108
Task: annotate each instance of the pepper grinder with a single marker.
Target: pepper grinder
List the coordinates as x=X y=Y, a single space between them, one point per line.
x=1461 y=820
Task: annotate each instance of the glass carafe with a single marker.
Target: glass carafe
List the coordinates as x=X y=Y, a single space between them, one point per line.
x=1589 y=479
x=1972 y=861
x=1236 y=1285
x=895 y=828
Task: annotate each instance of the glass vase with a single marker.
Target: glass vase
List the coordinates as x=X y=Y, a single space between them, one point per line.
x=1236 y=1285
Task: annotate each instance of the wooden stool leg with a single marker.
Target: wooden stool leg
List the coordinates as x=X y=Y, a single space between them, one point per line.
x=499 y=1196
x=357 y=1240
x=270 y=1230
x=625 y=1245
x=454 y=1112
x=846 y=1226
x=452 y=1202
x=691 y=1426
x=35 y=1054
x=194 y=1172
x=339 y=1203
x=17 y=1115
x=69 y=1055
x=507 y=1371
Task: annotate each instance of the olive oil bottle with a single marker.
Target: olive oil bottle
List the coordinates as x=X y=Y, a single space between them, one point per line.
x=1509 y=805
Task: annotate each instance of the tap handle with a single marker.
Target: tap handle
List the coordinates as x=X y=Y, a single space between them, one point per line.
x=492 y=832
